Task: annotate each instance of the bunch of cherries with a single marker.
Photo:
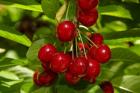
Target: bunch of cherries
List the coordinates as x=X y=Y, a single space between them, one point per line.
x=86 y=62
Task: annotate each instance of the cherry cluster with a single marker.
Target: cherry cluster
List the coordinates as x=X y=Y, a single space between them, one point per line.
x=85 y=67
x=87 y=13
x=83 y=60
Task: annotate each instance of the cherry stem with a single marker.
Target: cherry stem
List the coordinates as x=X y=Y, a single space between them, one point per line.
x=72 y=50
x=90 y=41
x=82 y=44
x=67 y=11
x=76 y=47
x=65 y=49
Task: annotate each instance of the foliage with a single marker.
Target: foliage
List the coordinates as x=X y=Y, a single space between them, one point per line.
x=119 y=22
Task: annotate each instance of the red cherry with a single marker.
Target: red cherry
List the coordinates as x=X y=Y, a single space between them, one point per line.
x=46 y=52
x=71 y=79
x=93 y=68
x=87 y=4
x=87 y=18
x=47 y=78
x=91 y=52
x=60 y=62
x=107 y=87
x=35 y=78
x=97 y=38
x=103 y=53
x=78 y=66
x=66 y=31
x=46 y=67
x=82 y=46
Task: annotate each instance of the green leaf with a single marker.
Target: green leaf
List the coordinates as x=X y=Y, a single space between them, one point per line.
x=8 y=75
x=115 y=10
x=120 y=60
x=124 y=55
x=61 y=11
x=71 y=10
x=50 y=7
x=32 y=53
x=9 y=62
x=23 y=4
x=129 y=83
x=12 y=34
x=131 y=1
x=10 y=83
x=123 y=34
x=121 y=39
x=44 y=90
x=115 y=26
x=65 y=89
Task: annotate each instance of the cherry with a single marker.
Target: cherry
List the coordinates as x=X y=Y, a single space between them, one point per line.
x=82 y=46
x=97 y=38
x=66 y=31
x=93 y=68
x=107 y=87
x=103 y=53
x=78 y=66
x=46 y=52
x=35 y=78
x=71 y=79
x=47 y=78
x=91 y=52
x=46 y=67
x=87 y=4
x=60 y=62
x=87 y=18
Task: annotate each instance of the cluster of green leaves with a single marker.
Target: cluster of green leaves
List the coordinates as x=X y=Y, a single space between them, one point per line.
x=119 y=23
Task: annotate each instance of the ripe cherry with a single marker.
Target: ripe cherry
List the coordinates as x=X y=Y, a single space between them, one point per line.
x=93 y=68
x=82 y=46
x=97 y=38
x=86 y=5
x=46 y=67
x=87 y=18
x=103 y=53
x=107 y=87
x=91 y=52
x=45 y=78
x=78 y=66
x=60 y=62
x=46 y=52
x=71 y=79
x=35 y=78
x=66 y=31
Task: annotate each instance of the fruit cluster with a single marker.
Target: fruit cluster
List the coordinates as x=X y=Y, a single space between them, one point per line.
x=87 y=13
x=83 y=60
